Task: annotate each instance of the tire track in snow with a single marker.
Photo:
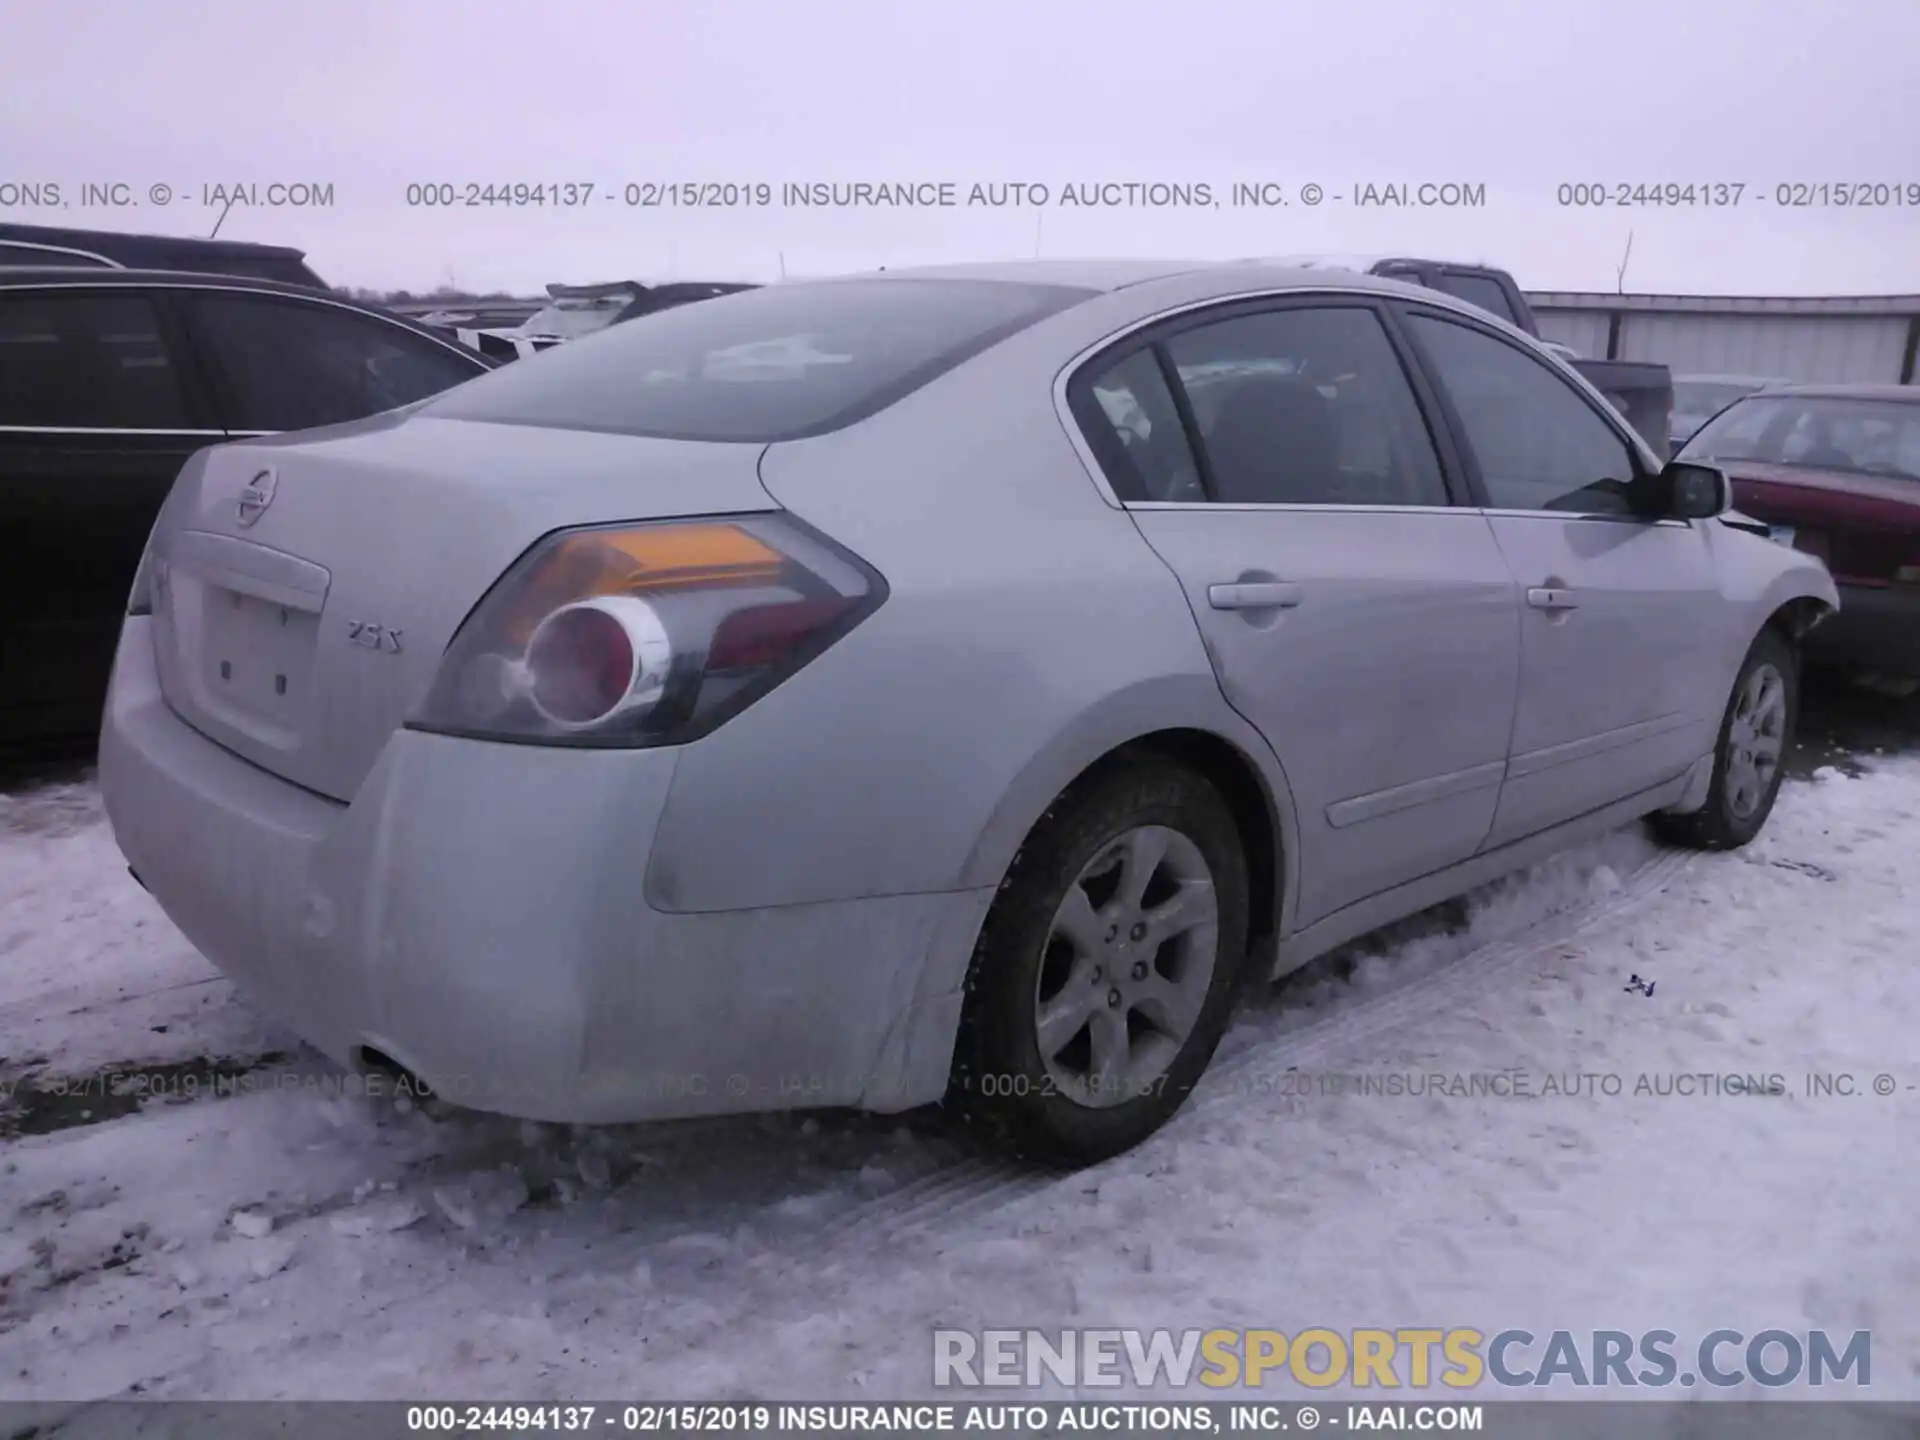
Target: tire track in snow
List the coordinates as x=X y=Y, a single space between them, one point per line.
x=1448 y=982
x=975 y=1188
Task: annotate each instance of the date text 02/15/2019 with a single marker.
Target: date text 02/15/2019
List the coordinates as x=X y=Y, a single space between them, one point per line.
x=1733 y=194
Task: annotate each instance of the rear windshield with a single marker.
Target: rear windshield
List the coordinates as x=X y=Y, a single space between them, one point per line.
x=284 y=269
x=778 y=363
x=1476 y=290
x=287 y=272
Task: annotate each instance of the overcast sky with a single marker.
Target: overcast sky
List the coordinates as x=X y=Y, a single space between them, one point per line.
x=1518 y=96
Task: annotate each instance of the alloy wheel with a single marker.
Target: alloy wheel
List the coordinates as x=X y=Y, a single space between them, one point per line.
x=1756 y=739
x=1129 y=961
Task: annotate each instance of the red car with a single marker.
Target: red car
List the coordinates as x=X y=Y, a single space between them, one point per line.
x=1834 y=470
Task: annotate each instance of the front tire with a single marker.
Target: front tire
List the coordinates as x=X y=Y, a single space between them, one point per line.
x=1105 y=972
x=1749 y=761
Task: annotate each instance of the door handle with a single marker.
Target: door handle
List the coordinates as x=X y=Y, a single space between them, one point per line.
x=1254 y=595
x=1552 y=597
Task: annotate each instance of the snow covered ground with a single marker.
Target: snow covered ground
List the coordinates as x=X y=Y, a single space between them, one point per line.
x=276 y=1239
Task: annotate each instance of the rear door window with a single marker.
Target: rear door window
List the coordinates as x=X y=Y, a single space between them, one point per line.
x=1296 y=405
x=73 y=359
x=285 y=364
x=778 y=363
x=1307 y=406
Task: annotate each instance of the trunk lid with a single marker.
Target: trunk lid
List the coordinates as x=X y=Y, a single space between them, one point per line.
x=1865 y=527
x=306 y=586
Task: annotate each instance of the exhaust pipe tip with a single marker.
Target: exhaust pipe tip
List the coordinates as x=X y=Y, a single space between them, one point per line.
x=397 y=1082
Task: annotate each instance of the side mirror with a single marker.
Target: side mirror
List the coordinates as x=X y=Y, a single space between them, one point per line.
x=1686 y=491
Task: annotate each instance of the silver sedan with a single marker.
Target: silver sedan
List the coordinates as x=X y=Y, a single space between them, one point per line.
x=929 y=686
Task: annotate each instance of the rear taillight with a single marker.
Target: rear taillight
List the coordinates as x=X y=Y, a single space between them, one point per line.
x=587 y=662
x=646 y=634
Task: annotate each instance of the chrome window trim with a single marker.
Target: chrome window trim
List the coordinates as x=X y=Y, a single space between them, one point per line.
x=100 y=430
x=106 y=261
x=1668 y=521
x=1078 y=440
x=1488 y=512
x=1438 y=299
x=1305 y=509
x=116 y=283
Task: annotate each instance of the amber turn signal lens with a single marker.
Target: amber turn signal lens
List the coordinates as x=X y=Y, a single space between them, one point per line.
x=594 y=563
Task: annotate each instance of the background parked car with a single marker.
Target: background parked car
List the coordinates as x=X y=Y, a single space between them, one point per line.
x=577 y=310
x=1834 y=470
x=580 y=310
x=1698 y=398
x=109 y=380
x=36 y=246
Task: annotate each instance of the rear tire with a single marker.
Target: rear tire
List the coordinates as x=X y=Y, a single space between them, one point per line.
x=1104 y=975
x=1750 y=760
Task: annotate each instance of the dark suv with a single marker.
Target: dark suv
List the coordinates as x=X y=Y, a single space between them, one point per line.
x=109 y=380
x=37 y=246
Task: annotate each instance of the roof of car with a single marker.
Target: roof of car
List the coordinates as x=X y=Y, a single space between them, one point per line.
x=114 y=244
x=16 y=276
x=1098 y=274
x=610 y=290
x=1907 y=394
x=1771 y=382
x=83 y=277
x=1364 y=263
x=674 y=289
x=1090 y=274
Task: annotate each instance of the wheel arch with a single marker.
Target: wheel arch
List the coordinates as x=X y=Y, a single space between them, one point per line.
x=1794 y=617
x=1793 y=599
x=1187 y=721
x=1789 y=603
x=1239 y=783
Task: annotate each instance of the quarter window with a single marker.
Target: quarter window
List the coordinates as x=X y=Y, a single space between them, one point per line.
x=75 y=360
x=288 y=365
x=1136 y=423
x=1539 y=444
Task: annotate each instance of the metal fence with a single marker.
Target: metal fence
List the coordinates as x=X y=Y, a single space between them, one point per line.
x=1855 y=339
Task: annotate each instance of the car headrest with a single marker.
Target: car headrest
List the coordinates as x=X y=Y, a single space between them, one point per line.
x=1274 y=441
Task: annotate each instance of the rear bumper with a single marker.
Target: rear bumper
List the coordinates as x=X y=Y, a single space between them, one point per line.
x=1875 y=630
x=477 y=915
